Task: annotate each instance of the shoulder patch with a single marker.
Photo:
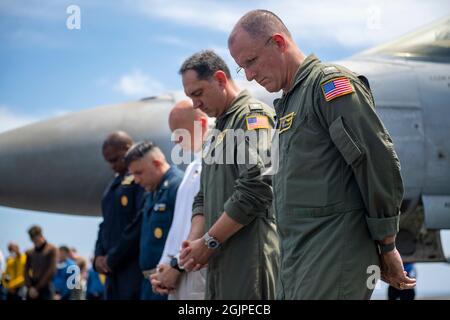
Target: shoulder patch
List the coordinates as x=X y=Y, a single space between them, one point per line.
x=330 y=69
x=336 y=87
x=257 y=122
x=128 y=180
x=255 y=107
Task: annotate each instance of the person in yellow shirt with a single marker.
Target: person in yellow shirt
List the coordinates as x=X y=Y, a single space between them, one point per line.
x=13 y=278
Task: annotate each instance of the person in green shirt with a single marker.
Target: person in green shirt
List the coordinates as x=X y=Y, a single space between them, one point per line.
x=233 y=228
x=338 y=190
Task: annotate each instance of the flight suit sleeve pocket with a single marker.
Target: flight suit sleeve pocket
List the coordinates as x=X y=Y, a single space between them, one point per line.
x=344 y=142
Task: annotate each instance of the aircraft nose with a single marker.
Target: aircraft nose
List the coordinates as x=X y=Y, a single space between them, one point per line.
x=57 y=165
x=41 y=164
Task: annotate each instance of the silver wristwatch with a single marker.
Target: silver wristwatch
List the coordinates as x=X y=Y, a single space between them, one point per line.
x=211 y=242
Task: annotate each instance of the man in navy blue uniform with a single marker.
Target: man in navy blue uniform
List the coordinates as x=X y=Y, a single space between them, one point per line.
x=121 y=202
x=149 y=231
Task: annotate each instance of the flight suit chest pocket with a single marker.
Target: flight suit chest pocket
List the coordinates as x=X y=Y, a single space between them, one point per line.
x=346 y=145
x=288 y=128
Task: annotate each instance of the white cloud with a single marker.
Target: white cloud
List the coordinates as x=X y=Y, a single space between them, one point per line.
x=217 y=15
x=137 y=83
x=172 y=40
x=350 y=23
x=10 y=120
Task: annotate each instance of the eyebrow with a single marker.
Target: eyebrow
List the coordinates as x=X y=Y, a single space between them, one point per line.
x=250 y=59
x=195 y=92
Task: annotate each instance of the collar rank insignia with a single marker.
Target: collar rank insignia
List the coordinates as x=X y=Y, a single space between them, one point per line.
x=286 y=122
x=336 y=87
x=128 y=180
x=329 y=70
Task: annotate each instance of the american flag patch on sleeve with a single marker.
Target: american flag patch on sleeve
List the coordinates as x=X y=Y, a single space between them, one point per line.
x=336 y=88
x=257 y=122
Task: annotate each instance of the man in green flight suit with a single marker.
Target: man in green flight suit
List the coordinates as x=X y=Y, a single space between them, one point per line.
x=338 y=190
x=233 y=228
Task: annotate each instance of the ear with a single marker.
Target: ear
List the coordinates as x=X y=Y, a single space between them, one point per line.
x=280 y=42
x=157 y=163
x=221 y=78
x=204 y=123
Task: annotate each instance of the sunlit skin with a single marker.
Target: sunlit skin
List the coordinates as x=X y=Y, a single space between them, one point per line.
x=271 y=61
x=148 y=171
x=212 y=96
x=185 y=122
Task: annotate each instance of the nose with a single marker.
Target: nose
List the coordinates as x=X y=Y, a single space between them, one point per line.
x=197 y=103
x=250 y=75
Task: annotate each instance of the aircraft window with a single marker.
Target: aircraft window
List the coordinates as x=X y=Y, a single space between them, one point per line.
x=431 y=43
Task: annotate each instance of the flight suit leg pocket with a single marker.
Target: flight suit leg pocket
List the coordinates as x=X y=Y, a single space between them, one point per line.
x=346 y=145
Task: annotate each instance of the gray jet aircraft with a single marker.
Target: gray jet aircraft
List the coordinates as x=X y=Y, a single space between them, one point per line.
x=56 y=165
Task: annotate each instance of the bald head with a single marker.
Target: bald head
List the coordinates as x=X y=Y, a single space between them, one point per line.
x=118 y=139
x=259 y=24
x=188 y=125
x=183 y=115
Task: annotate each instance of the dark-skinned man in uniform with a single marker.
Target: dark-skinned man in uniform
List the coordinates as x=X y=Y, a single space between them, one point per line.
x=338 y=189
x=121 y=202
x=233 y=228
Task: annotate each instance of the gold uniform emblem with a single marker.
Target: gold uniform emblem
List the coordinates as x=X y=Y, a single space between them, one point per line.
x=124 y=201
x=286 y=122
x=158 y=233
x=128 y=180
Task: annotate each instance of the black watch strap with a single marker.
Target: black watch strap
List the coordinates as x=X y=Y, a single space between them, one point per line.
x=385 y=248
x=174 y=264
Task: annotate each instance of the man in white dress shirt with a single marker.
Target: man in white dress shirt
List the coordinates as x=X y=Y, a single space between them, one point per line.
x=170 y=278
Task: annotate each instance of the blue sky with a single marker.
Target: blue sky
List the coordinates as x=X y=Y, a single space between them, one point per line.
x=127 y=50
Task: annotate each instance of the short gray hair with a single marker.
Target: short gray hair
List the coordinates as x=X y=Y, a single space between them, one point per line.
x=260 y=24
